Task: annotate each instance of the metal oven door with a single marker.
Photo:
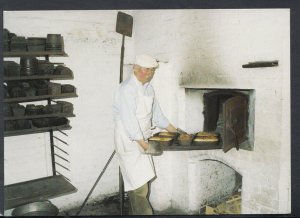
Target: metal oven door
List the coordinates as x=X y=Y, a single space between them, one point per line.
x=235 y=117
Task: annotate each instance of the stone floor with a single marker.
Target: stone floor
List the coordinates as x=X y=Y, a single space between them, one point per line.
x=109 y=207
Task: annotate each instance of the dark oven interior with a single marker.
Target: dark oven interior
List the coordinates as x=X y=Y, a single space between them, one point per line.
x=227 y=113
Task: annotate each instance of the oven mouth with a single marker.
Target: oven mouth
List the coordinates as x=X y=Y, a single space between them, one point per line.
x=227 y=112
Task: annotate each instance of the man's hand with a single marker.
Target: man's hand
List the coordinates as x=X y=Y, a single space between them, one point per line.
x=171 y=128
x=180 y=131
x=153 y=148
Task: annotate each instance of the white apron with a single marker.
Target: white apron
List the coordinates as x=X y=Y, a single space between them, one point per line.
x=137 y=168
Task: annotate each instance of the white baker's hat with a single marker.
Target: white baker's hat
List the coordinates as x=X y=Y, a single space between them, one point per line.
x=146 y=61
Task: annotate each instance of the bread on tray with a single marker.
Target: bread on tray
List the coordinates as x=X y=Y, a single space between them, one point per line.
x=162 y=140
x=207 y=134
x=168 y=134
x=206 y=139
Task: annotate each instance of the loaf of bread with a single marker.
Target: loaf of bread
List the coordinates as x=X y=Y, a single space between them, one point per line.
x=185 y=137
x=207 y=134
x=163 y=139
x=206 y=139
x=171 y=134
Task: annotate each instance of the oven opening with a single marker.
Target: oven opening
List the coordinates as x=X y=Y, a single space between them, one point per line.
x=227 y=112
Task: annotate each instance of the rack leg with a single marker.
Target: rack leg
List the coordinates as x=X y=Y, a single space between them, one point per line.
x=52 y=153
x=52 y=146
x=121 y=192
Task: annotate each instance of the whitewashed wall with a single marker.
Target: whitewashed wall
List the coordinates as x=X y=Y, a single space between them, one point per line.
x=94 y=48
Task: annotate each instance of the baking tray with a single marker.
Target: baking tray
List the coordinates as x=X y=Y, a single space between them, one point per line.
x=176 y=146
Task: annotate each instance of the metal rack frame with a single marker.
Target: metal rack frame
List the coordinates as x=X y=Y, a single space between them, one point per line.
x=48 y=98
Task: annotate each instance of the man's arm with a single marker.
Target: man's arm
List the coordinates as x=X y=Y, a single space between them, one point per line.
x=160 y=120
x=171 y=128
x=143 y=144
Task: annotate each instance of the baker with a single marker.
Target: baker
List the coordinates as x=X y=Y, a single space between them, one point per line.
x=135 y=111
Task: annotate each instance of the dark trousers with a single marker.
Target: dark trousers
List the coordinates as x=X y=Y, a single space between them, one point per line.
x=139 y=203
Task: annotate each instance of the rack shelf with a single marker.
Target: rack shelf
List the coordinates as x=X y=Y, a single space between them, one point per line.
x=41 y=97
x=39 y=116
x=36 y=190
x=36 y=130
x=51 y=77
x=35 y=53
